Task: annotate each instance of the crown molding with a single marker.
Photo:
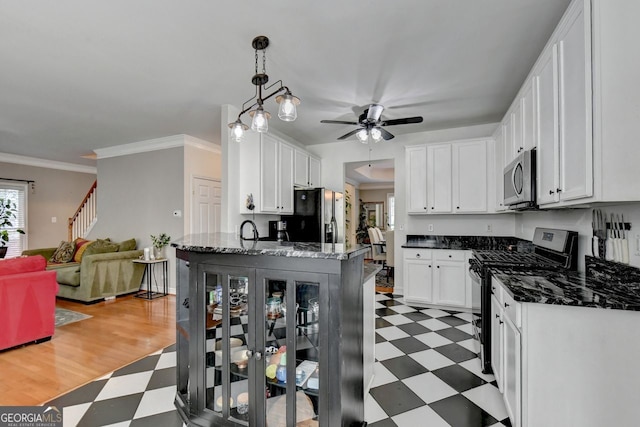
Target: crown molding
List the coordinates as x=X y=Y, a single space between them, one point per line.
x=49 y=164
x=376 y=186
x=202 y=144
x=164 y=143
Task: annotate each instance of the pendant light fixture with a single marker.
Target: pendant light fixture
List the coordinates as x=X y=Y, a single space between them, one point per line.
x=260 y=118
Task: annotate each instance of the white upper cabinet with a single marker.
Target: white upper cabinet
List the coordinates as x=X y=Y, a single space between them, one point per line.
x=528 y=116
x=307 y=170
x=416 y=163
x=439 y=173
x=276 y=170
x=470 y=171
x=507 y=135
x=314 y=172
x=574 y=71
x=499 y=169
x=545 y=78
x=448 y=178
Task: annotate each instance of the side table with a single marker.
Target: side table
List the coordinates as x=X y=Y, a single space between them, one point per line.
x=149 y=265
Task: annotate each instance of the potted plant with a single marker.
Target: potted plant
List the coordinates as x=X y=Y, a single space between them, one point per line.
x=159 y=243
x=8 y=211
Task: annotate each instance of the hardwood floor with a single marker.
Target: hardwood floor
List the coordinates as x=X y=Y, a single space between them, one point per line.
x=120 y=332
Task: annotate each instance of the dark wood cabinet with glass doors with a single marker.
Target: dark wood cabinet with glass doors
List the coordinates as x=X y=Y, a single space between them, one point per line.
x=268 y=340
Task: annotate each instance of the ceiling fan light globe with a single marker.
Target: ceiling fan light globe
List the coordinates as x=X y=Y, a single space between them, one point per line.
x=376 y=135
x=362 y=136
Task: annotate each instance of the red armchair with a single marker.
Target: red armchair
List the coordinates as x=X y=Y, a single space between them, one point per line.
x=27 y=301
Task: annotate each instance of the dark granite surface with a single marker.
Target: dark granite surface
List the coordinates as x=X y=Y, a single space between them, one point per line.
x=229 y=243
x=599 y=290
x=463 y=242
x=370 y=269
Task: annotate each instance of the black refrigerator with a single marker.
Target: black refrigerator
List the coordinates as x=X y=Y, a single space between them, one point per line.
x=318 y=216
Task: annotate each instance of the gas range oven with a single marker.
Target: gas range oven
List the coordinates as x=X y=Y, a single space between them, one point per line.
x=552 y=250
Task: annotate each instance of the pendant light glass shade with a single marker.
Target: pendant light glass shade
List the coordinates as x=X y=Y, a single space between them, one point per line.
x=376 y=135
x=362 y=136
x=260 y=122
x=287 y=111
x=237 y=130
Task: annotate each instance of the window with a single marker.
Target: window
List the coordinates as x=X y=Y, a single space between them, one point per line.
x=17 y=193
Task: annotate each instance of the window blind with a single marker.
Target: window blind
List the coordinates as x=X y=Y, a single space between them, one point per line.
x=16 y=193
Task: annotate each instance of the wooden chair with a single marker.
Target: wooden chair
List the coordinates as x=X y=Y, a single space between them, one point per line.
x=377 y=246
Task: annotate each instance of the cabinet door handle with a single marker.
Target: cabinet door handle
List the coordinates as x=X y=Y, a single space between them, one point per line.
x=431 y=207
x=558 y=190
x=449 y=256
x=551 y=191
x=417 y=255
x=429 y=266
x=457 y=207
x=249 y=354
x=506 y=305
x=425 y=208
x=438 y=266
x=497 y=316
x=501 y=322
x=493 y=288
x=258 y=355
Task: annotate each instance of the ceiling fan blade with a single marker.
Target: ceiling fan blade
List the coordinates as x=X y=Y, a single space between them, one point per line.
x=338 y=122
x=347 y=135
x=386 y=135
x=374 y=112
x=404 y=121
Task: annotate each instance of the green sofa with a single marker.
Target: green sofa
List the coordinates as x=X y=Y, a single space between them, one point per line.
x=97 y=275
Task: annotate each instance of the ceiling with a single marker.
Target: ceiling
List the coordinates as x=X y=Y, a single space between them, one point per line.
x=78 y=75
x=370 y=173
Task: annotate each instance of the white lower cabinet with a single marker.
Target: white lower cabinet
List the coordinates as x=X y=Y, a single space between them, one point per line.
x=436 y=276
x=497 y=344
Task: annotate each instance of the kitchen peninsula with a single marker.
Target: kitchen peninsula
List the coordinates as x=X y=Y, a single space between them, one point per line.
x=270 y=331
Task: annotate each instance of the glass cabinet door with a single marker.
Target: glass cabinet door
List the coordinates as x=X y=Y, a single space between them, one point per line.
x=225 y=307
x=291 y=308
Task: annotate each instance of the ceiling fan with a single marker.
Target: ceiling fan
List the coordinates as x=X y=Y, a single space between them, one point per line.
x=372 y=125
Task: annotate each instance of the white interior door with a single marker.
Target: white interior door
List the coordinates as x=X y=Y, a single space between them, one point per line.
x=206 y=204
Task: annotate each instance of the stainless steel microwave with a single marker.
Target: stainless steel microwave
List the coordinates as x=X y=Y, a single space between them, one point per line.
x=520 y=181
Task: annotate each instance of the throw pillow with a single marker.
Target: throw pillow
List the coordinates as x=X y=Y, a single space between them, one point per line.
x=64 y=253
x=127 y=245
x=81 y=246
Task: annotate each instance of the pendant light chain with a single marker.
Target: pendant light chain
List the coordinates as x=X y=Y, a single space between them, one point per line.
x=264 y=61
x=256 y=61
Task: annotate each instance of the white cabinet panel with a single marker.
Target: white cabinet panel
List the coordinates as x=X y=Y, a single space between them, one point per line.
x=314 y=172
x=450 y=280
x=269 y=174
x=507 y=135
x=301 y=168
x=528 y=116
x=518 y=144
x=276 y=173
x=547 y=172
x=499 y=168
x=285 y=182
x=439 y=178
x=470 y=170
x=418 y=285
x=512 y=370
x=574 y=59
x=497 y=341
x=416 y=164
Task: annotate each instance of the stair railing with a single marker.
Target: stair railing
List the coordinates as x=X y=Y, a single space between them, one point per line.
x=87 y=214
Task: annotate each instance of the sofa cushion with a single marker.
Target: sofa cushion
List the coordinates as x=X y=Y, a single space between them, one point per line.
x=64 y=253
x=68 y=274
x=81 y=246
x=22 y=265
x=101 y=247
x=127 y=245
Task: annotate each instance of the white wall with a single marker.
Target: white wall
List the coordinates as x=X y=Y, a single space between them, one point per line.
x=137 y=196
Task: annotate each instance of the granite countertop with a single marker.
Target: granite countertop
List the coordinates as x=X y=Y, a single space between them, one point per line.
x=568 y=288
x=370 y=269
x=463 y=242
x=229 y=243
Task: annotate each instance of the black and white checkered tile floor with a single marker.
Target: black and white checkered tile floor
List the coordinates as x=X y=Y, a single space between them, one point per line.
x=426 y=374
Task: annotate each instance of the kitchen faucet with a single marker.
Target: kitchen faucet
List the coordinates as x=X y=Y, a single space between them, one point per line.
x=255 y=230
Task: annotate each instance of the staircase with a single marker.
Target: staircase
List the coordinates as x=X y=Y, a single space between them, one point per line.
x=86 y=216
